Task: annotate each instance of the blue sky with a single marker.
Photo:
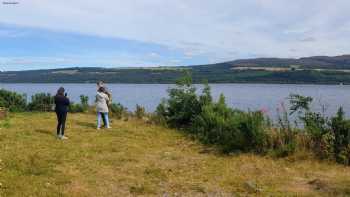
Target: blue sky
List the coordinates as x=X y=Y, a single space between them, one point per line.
x=34 y=48
x=38 y=34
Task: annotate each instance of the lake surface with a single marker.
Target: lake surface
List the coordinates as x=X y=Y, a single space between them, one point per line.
x=242 y=96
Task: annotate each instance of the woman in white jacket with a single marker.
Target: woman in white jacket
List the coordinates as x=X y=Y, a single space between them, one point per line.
x=102 y=100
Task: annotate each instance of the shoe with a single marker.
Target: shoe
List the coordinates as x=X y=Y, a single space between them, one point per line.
x=108 y=127
x=98 y=128
x=64 y=137
x=59 y=136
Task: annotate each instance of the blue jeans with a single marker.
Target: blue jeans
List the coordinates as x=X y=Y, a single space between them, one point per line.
x=105 y=117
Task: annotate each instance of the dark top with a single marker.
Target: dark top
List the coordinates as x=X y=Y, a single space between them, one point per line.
x=62 y=103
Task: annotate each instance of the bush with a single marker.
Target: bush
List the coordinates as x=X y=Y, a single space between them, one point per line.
x=14 y=102
x=213 y=123
x=329 y=138
x=253 y=127
x=81 y=107
x=140 y=112
x=84 y=101
x=341 y=131
x=317 y=127
x=41 y=102
x=159 y=116
x=232 y=130
x=182 y=106
x=118 y=110
x=284 y=140
x=76 y=108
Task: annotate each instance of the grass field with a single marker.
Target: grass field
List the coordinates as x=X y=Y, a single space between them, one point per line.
x=136 y=158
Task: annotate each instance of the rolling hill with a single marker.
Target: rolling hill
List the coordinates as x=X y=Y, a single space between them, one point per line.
x=308 y=70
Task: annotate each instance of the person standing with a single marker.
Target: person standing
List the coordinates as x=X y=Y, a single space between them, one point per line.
x=61 y=109
x=102 y=84
x=102 y=100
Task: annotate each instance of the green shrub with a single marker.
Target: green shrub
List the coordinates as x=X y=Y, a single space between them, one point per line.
x=213 y=123
x=182 y=106
x=326 y=148
x=84 y=101
x=253 y=127
x=159 y=116
x=41 y=102
x=341 y=130
x=81 y=107
x=14 y=102
x=284 y=140
x=330 y=138
x=317 y=127
x=76 y=108
x=140 y=112
x=205 y=98
x=118 y=110
x=231 y=130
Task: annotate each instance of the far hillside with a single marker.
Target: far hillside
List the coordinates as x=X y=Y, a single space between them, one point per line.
x=308 y=70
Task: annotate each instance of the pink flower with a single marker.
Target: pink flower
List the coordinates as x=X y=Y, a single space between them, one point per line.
x=264 y=110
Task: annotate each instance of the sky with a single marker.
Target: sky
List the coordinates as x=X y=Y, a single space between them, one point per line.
x=40 y=34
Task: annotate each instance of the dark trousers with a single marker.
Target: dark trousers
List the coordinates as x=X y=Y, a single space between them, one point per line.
x=104 y=121
x=61 y=122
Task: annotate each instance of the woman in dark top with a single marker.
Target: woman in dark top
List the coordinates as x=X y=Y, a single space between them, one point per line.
x=62 y=104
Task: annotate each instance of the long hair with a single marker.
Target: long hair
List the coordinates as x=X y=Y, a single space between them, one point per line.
x=60 y=91
x=102 y=89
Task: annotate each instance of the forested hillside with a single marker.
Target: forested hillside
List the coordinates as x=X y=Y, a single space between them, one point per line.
x=311 y=70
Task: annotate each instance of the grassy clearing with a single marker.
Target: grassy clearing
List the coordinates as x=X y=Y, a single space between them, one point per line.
x=135 y=158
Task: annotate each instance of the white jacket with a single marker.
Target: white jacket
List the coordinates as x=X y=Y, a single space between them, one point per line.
x=101 y=102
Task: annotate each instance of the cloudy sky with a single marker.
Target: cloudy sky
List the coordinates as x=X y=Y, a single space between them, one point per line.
x=119 y=33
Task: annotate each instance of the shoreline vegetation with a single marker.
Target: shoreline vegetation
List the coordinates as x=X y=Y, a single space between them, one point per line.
x=197 y=83
x=235 y=141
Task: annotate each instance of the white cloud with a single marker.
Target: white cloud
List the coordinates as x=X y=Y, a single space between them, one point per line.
x=154 y=55
x=34 y=60
x=221 y=30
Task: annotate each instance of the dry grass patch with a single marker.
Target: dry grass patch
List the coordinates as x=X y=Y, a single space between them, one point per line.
x=135 y=158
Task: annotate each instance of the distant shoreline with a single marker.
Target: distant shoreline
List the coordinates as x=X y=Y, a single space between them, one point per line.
x=252 y=83
x=312 y=70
